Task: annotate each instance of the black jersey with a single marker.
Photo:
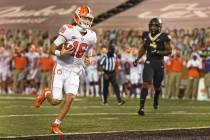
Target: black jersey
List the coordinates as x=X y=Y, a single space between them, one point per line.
x=152 y=43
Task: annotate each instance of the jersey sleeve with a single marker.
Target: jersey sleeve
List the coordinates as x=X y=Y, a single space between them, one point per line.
x=93 y=38
x=144 y=35
x=59 y=40
x=101 y=61
x=63 y=34
x=64 y=31
x=92 y=42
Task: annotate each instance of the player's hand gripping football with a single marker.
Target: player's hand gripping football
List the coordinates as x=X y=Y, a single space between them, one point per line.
x=67 y=50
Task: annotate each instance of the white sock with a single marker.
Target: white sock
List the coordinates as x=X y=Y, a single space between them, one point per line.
x=97 y=90
x=57 y=121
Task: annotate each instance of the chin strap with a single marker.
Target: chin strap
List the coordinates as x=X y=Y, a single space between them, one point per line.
x=79 y=28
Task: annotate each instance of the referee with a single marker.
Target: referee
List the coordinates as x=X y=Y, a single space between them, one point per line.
x=107 y=64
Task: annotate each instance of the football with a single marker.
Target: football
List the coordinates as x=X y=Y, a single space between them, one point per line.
x=67 y=45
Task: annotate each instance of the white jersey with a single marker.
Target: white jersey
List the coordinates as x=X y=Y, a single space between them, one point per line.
x=82 y=44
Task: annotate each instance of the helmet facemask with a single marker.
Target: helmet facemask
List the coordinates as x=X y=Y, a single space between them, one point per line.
x=86 y=22
x=154 y=29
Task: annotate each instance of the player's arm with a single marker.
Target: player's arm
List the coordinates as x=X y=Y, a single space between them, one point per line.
x=55 y=47
x=142 y=50
x=101 y=63
x=167 y=49
x=140 y=54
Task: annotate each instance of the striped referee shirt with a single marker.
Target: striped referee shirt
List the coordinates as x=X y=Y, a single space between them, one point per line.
x=108 y=63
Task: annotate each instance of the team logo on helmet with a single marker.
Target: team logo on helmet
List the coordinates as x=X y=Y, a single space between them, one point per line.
x=84 y=16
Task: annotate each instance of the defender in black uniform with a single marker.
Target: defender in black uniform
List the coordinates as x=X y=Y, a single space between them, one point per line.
x=156 y=45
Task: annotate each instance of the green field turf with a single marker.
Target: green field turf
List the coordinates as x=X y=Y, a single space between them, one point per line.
x=18 y=117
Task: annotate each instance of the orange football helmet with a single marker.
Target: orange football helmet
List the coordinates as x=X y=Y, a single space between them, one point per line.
x=84 y=16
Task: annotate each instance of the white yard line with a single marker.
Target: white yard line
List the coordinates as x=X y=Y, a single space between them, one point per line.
x=101 y=114
x=79 y=133
x=16 y=98
x=74 y=106
x=93 y=106
x=108 y=118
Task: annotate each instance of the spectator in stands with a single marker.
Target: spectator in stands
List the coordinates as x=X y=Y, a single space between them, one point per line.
x=93 y=76
x=46 y=63
x=207 y=75
x=32 y=68
x=46 y=40
x=167 y=65
x=5 y=72
x=176 y=69
x=136 y=76
x=127 y=63
x=118 y=70
x=20 y=64
x=194 y=65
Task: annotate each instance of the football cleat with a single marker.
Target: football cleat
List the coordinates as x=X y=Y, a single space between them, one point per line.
x=141 y=112
x=55 y=129
x=105 y=104
x=40 y=98
x=155 y=107
x=121 y=103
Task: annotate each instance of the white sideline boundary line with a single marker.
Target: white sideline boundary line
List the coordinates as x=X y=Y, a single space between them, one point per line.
x=98 y=114
x=80 y=133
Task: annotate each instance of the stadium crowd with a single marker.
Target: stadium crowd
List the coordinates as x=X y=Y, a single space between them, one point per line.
x=26 y=66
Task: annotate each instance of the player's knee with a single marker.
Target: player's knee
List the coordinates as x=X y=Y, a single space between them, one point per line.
x=69 y=98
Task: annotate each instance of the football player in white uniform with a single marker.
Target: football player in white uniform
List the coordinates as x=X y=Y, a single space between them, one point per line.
x=73 y=50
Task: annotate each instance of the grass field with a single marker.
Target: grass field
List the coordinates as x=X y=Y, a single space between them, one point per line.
x=18 y=117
